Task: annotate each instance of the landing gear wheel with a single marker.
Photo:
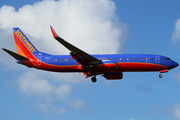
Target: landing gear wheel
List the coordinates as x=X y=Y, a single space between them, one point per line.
x=94 y=79
x=160 y=76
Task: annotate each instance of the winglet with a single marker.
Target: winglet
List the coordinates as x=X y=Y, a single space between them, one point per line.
x=54 y=33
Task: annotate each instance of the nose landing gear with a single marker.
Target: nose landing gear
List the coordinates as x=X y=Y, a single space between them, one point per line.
x=162 y=71
x=160 y=75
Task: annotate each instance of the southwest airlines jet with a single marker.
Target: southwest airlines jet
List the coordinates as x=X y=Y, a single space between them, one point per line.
x=110 y=66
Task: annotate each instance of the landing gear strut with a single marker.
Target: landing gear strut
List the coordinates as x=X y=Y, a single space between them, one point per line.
x=94 y=79
x=160 y=75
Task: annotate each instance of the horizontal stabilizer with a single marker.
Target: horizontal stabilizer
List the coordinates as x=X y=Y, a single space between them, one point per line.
x=15 y=55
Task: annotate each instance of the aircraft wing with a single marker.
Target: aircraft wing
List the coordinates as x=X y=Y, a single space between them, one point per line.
x=77 y=54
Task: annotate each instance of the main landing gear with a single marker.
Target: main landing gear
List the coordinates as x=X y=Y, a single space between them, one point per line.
x=94 y=79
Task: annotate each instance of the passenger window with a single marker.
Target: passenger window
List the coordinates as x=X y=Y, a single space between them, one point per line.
x=167 y=58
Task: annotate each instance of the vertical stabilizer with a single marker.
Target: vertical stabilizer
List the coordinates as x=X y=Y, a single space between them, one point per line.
x=24 y=46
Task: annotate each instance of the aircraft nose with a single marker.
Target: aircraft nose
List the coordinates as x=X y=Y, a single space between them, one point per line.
x=174 y=64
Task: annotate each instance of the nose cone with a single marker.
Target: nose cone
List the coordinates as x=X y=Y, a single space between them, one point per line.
x=174 y=64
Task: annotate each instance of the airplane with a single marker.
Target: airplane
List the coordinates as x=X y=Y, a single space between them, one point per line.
x=110 y=66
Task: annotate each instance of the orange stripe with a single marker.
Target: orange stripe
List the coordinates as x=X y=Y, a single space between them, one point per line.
x=19 y=51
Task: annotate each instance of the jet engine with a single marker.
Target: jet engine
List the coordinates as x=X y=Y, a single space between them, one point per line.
x=113 y=76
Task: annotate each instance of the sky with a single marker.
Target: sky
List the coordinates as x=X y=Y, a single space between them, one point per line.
x=95 y=26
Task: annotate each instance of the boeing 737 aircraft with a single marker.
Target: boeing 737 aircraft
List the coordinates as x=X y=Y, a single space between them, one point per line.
x=110 y=66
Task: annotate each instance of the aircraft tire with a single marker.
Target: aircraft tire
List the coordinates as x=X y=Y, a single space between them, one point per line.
x=160 y=76
x=93 y=79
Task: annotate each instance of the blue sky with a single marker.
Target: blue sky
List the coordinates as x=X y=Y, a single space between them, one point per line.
x=133 y=27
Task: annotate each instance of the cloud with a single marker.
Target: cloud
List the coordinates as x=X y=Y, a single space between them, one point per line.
x=30 y=84
x=142 y=88
x=91 y=25
x=174 y=111
x=81 y=22
x=33 y=86
x=176 y=76
x=176 y=34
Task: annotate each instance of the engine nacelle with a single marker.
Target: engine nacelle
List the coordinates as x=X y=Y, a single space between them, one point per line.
x=112 y=65
x=113 y=76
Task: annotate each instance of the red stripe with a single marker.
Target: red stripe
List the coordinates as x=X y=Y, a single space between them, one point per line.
x=133 y=66
x=124 y=67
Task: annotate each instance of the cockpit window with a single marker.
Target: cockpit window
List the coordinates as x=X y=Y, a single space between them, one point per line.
x=167 y=58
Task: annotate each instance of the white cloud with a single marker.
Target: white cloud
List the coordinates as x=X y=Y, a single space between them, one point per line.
x=33 y=86
x=68 y=77
x=176 y=33
x=48 y=109
x=91 y=25
x=176 y=110
x=176 y=76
